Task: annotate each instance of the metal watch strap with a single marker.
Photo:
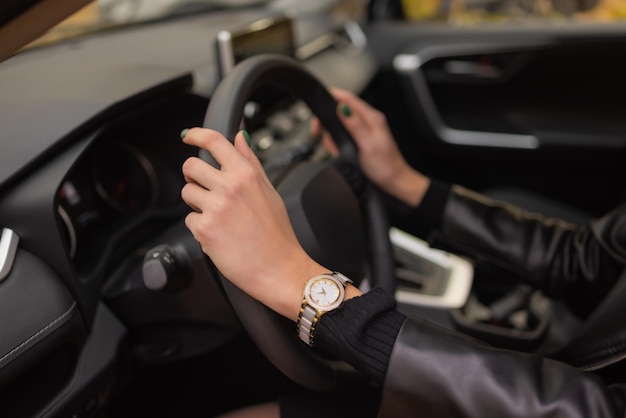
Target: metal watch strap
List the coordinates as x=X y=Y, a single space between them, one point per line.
x=309 y=316
x=307 y=321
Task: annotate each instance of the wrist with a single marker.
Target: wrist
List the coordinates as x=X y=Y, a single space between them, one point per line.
x=352 y=292
x=410 y=187
x=295 y=276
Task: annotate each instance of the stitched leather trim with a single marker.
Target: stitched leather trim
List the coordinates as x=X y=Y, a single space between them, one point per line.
x=30 y=340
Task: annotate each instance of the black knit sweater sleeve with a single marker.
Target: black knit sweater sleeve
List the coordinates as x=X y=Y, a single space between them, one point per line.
x=422 y=220
x=362 y=332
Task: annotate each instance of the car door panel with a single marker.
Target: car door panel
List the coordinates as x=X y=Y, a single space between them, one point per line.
x=530 y=109
x=31 y=283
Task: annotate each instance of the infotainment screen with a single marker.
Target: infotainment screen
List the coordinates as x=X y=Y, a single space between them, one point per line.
x=270 y=35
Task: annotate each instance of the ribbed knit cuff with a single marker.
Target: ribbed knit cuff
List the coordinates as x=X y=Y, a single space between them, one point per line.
x=430 y=210
x=362 y=331
x=422 y=220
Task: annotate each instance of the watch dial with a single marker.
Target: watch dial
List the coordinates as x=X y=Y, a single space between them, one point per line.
x=324 y=292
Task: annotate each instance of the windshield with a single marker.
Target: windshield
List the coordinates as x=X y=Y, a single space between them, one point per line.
x=104 y=14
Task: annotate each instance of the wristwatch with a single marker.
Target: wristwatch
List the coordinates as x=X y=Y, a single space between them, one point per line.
x=322 y=294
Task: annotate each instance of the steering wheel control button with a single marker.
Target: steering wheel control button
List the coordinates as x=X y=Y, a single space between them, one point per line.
x=162 y=271
x=322 y=294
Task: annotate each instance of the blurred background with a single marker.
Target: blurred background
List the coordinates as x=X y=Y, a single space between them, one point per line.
x=110 y=13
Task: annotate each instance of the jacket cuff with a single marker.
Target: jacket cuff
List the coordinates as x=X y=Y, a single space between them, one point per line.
x=431 y=209
x=422 y=220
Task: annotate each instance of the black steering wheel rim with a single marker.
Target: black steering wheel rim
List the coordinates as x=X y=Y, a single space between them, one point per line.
x=274 y=335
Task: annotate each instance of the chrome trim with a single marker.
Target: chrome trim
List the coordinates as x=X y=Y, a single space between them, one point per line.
x=454 y=293
x=315 y=46
x=225 y=52
x=410 y=65
x=355 y=34
x=354 y=42
x=406 y=63
x=8 y=249
x=71 y=231
x=487 y=139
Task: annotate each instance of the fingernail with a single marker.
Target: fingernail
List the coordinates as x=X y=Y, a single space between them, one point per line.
x=246 y=136
x=345 y=109
x=184 y=133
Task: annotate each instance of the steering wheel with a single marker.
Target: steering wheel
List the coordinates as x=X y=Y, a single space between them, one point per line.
x=333 y=208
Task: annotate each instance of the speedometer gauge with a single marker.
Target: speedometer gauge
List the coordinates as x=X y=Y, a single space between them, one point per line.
x=125 y=178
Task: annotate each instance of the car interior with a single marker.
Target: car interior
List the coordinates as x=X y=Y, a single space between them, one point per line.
x=109 y=307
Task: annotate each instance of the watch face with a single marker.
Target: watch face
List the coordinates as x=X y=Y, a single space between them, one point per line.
x=324 y=292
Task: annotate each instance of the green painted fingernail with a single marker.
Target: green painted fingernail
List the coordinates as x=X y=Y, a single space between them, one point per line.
x=345 y=109
x=246 y=136
x=184 y=133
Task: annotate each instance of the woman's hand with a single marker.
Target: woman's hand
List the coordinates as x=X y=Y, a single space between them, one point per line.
x=379 y=155
x=242 y=224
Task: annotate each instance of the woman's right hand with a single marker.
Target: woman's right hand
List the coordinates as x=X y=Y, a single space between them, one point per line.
x=379 y=156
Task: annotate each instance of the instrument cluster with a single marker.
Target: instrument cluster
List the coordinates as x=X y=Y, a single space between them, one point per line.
x=115 y=183
x=126 y=185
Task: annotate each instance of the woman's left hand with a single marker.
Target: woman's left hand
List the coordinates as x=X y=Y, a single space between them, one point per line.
x=242 y=224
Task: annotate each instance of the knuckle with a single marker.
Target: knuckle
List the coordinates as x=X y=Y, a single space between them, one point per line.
x=219 y=208
x=379 y=117
x=248 y=175
x=204 y=136
x=185 y=191
x=205 y=224
x=189 y=164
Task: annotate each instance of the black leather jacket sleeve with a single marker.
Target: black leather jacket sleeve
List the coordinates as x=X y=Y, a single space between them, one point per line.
x=575 y=262
x=432 y=371
x=549 y=252
x=435 y=372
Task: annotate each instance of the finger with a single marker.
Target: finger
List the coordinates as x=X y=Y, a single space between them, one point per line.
x=214 y=142
x=340 y=94
x=200 y=172
x=322 y=136
x=345 y=95
x=193 y=220
x=194 y=196
x=315 y=128
x=329 y=144
x=355 y=128
x=353 y=122
x=358 y=108
x=350 y=106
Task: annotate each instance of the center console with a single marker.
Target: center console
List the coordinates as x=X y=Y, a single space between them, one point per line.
x=447 y=289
